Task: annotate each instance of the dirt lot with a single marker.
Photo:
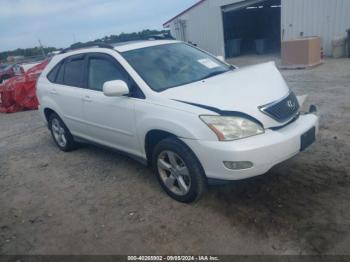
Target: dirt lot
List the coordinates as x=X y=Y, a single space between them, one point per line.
x=93 y=201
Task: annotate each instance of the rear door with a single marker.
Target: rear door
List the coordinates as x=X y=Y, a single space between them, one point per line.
x=110 y=120
x=67 y=91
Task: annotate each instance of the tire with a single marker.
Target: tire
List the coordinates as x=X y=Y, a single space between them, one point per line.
x=61 y=134
x=178 y=170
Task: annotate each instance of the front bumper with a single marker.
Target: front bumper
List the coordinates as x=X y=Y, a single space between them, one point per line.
x=264 y=151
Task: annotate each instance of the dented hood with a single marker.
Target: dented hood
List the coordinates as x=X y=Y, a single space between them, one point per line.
x=242 y=90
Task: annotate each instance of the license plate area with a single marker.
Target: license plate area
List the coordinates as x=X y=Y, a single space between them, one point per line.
x=308 y=139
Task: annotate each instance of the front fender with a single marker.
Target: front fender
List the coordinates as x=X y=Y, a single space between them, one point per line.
x=182 y=124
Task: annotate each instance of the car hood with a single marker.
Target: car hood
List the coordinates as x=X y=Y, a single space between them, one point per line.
x=242 y=90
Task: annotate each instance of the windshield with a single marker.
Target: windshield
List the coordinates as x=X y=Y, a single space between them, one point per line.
x=4 y=67
x=171 y=65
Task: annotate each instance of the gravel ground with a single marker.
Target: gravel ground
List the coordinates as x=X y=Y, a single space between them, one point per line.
x=93 y=201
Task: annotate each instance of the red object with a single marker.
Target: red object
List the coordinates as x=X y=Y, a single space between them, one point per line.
x=19 y=92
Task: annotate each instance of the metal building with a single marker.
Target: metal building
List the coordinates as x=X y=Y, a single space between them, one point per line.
x=218 y=25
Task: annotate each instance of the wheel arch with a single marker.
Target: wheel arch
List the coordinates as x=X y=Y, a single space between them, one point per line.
x=153 y=129
x=152 y=138
x=47 y=106
x=47 y=113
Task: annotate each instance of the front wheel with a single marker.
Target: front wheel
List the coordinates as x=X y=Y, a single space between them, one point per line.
x=178 y=170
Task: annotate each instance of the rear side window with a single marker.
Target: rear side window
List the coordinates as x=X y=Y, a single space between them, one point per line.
x=60 y=73
x=53 y=73
x=73 y=72
x=102 y=70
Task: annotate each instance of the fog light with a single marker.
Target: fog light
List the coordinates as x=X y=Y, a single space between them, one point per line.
x=238 y=165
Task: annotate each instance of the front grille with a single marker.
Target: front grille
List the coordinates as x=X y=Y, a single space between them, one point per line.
x=282 y=110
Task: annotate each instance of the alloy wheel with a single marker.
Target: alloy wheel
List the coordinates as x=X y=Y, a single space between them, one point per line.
x=59 y=133
x=174 y=172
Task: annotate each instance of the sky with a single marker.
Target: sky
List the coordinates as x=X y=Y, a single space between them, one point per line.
x=59 y=23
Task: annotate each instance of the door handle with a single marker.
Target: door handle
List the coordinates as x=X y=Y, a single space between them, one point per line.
x=53 y=92
x=86 y=99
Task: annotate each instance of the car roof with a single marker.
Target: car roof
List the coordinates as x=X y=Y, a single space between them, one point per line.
x=132 y=45
x=119 y=47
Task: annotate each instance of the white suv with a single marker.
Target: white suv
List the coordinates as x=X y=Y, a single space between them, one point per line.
x=195 y=119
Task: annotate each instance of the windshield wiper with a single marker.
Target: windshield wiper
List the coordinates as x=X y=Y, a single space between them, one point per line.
x=214 y=74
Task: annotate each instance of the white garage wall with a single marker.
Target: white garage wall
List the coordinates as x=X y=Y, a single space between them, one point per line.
x=325 y=18
x=204 y=26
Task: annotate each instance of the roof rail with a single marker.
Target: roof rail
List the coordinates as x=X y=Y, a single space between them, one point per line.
x=91 y=45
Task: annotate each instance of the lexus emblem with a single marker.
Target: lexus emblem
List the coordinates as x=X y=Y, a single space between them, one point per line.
x=291 y=104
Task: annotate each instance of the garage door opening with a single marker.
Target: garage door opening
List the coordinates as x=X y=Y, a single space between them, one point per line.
x=252 y=27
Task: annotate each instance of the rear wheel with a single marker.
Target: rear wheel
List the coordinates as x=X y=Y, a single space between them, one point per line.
x=178 y=170
x=61 y=134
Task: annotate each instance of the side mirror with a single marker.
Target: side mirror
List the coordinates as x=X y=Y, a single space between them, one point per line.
x=115 y=88
x=221 y=58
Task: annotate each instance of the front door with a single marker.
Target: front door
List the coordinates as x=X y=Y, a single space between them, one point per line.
x=110 y=120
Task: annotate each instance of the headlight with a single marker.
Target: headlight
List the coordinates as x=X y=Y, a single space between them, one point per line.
x=228 y=128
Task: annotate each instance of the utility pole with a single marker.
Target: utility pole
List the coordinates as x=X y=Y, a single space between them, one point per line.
x=41 y=47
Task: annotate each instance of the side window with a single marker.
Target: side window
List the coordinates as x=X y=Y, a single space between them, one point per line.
x=60 y=73
x=53 y=73
x=73 y=72
x=102 y=70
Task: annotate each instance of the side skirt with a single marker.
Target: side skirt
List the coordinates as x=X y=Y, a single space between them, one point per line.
x=137 y=158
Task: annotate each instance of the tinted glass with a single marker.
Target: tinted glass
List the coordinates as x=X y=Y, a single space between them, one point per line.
x=73 y=72
x=101 y=71
x=172 y=65
x=59 y=77
x=52 y=75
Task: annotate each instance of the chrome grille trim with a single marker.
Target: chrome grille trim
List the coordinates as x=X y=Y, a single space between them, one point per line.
x=283 y=109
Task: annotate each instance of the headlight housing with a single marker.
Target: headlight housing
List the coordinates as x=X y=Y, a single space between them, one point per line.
x=229 y=128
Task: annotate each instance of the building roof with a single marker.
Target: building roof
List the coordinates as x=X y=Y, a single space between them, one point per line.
x=183 y=12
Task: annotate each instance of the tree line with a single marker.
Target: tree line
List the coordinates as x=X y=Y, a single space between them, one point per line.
x=26 y=52
x=37 y=51
x=123 y=37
